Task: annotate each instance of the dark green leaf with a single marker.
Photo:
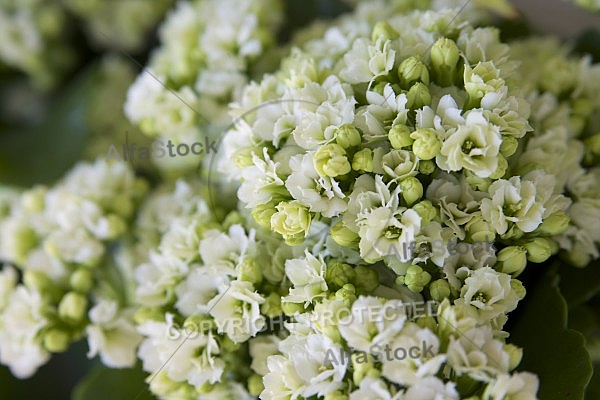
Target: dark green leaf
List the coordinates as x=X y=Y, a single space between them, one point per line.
x=115 y=384
x=578 y=285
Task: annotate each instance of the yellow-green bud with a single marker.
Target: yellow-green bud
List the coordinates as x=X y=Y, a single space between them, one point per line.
x=363 y=160
x=34 y=200
x=272 y=305
x=72 y=308
x=338 y=274
x=347 y=136
x=291 y=309
x=439 y=290
x=418 y=96
x=509 y=146
x=476 y=182
x=540 y=249
x=363 y=368
x=81 y=280
x=292 y=221
x=427 y=322
x=592 y=148
x=250 y=271
x=144 y=314
x=383 y=31
x=255 y=385
x=427 y=145
x=330 y=160
x=399 y=136
x=347 y=294
x=515 y=354
x=480 y=230
x=411 y=71
x=426 y=167
x=555 y=224
x=444 y=55
x=344 y=236
x=517 y=286
x=39 y=281
x=416 y=278
x=23 y=240
x=426 y=211
x=512 y=260
x=262 y=214
x=412 y=190
x=368 y=279
x=379 y=87
x=56 y=340
x=243 y=157
x=502 y=167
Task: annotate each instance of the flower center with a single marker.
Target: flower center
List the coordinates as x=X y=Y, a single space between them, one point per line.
x=480 y=296
x=467 y=146
x=392 y=232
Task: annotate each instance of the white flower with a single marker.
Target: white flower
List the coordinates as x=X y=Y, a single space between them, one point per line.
x=432 y=388
x=197 y=289
x=474 y=146
x=8 y=283
x=261 y=348
x=366 y=60
x=261 y=182
x=236 y=310
x=20 y=347
x=157 y=278
x=308 y=278
x=489 y=291
x=112 y=334
x=370 y=387
x=519 y=386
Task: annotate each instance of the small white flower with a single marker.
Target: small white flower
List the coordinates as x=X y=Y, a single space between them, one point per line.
x=519 y=386
x=308 y=279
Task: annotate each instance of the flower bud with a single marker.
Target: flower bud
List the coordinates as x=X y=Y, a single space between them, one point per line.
x=439 y=290
x=427 y=322
x=344 y=236
x=337 y=395
x=540 y=249
x=383 y=31
x=480 y=230
x=411 y=71
x=368 y=279
x=292 y=221
x=363 y=369
x=262 y=214
x=363 y=160
x=418 y=96
x=291 y=309
x=412 y=190
x=426 y=167
x=73 y=307
x=554 y=224
x=347 y=294
x=399 y=136
x=509 y=146
x=56 y=340
x=426 y=211
x=255 y=385
x=249 y=271
x=444 y=55
x=512 y=260
x=515 y=354
x=34 y=200
x=330 y=160
x=427 y=145
x=144 y=314
x=347 y=136
x=272 y=305
x=502 y=167
x=416 y=278
x=338 y=274
x=81 y=280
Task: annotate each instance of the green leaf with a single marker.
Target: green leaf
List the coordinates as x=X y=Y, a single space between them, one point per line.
x=589 y=42
x=578 y=285
x=115 y=384
x=550 y=349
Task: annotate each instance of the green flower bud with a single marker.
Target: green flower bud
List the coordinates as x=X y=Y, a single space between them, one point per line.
x=228 y=345
x=427 y=145
x=540 y=249
x=592 y=148
x=383 y=31
x=255 y=385
x=290 y=309
x=23 y=240
x=411 y=71
x=338 y=274
x=418 y=96
x=144 y=314
x=427 y=322
x=412 y=189
x=330 y=160
x=515 y=354
x=379 y=87
x=466 y=385
x=73 y=307
x=81 y=280
x=416 y=279
x=249 y=271
x=426 y=211
x=243 y=157
x=292 y=221
x=362 y=369
x=509 y=146
x=347 y=136
x=502 y=167
x=512 y=260
x=439 y=290
x=198 y=323
x=426 y=167
x=116 y=226
x=272 y=305
x=344 y=236
x=34 y=200
x=399 y=136
x=56 y=340
x=363 y=160
x=369 y=279
x=444 y=55
x=555 y=224
x=480 y=230
x=40 y=282
x=262 y=214
x=518 y=288
x=347 y=294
